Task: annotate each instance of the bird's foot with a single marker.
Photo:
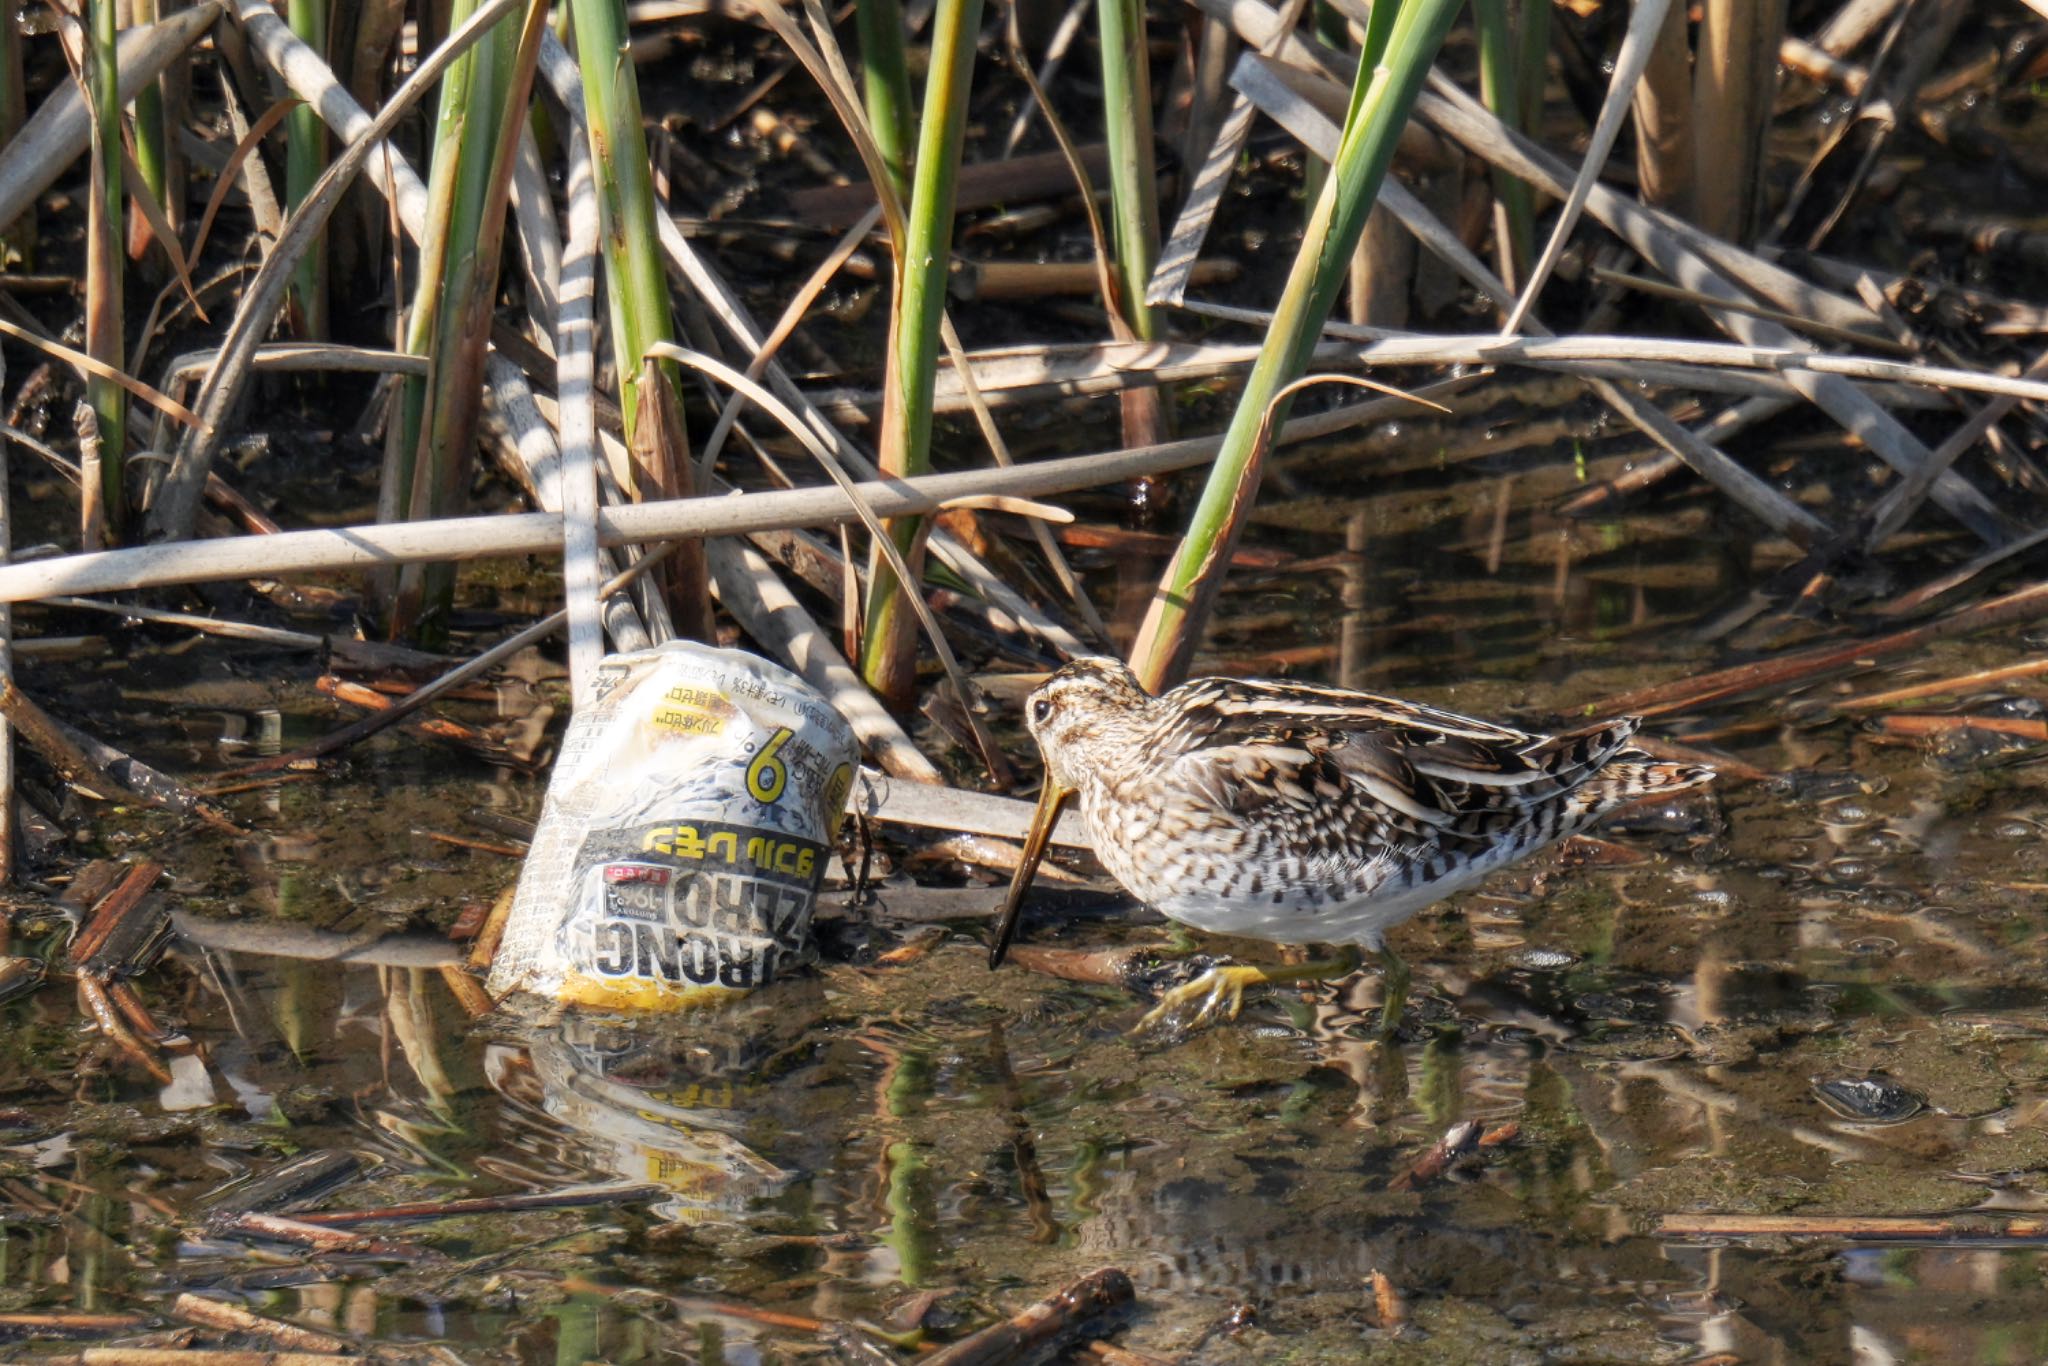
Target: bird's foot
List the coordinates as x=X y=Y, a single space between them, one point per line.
x=1217 y=994
x=1394 y=976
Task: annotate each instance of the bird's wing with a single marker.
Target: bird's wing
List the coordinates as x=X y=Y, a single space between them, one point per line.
x=1379 y=765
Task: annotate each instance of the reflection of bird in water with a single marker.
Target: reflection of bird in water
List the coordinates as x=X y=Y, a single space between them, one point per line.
x=1236 y=1232
x=1194 y=1236
x=1306 y=814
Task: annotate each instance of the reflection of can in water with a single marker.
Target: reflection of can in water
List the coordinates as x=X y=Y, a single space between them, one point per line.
x=686 y=829
x=595 y=1093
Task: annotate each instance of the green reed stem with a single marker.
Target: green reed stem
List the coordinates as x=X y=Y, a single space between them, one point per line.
x=1532 y=60
x=885 y=78
x=427 y=454
x=305 y=159
x=1400 y=43
x=1133 y=175
x=1334 y=31
x=1500 y=86
x=636 y=287
x=636 y=293
x=888 y=651
x=102 y=502
x=152 y=151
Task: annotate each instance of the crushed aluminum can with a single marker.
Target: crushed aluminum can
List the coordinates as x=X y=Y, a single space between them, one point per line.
x=685 y=832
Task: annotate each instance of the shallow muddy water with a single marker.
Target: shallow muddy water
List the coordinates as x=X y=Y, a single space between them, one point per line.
x=1817 y=993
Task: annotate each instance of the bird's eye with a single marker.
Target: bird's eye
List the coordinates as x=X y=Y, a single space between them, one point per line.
x=1041 y=710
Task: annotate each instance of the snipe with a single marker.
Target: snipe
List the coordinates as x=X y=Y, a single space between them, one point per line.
x=1305 y=814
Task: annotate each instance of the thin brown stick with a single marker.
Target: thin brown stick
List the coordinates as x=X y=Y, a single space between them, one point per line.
x=110 y=915
x=2016 y=726
x=481 y=846
x=792 y=314
x=206 y=1356
x=1875 y=1227
x=1914 y=692
x=1122 y=1356
x=748 y=1313
x=63 y=1323
x=483 y=950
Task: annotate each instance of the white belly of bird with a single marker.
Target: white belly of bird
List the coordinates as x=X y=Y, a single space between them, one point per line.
x=1220 y=885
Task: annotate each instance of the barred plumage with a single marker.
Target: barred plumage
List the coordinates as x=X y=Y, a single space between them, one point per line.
x=1308 y=814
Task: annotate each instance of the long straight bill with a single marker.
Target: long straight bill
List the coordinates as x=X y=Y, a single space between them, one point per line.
x=1051 y=798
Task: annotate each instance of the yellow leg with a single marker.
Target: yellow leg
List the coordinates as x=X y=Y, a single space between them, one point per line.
x=1219 y=992
x=1394 y=981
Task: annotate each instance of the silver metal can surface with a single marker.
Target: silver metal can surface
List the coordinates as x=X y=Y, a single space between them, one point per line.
x=684 y=835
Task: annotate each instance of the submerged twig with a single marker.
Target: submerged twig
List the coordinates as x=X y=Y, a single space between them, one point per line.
x=92 y=764
x=1803 y=666
x=1970 y=1227
x=92 y=993
x=488 y=1204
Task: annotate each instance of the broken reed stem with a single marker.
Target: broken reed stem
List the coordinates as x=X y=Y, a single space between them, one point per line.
x=1735 y=80
x=1663 y=118
x=366 y=546
x=1046 y=1326
x=232 y=1318
x=92 y=765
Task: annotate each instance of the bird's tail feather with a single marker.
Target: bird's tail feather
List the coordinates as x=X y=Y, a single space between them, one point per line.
x=1635 y=776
